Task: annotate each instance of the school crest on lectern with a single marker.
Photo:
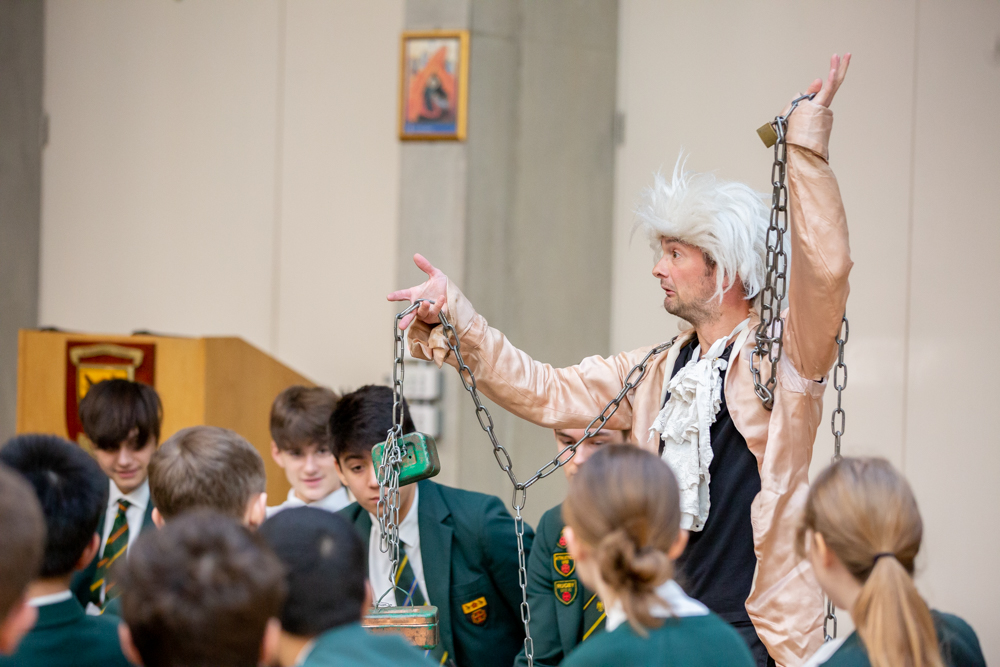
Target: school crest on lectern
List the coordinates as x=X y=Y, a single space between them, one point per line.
x=90 y=362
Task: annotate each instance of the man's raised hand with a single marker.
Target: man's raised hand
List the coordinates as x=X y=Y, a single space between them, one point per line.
x=435 y=288
x=838 y=70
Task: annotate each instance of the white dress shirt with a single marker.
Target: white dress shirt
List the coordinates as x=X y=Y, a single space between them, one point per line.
x=139 y=500
x=679 y=605
x=52 y=598
x=379 y=565
x=333 y=502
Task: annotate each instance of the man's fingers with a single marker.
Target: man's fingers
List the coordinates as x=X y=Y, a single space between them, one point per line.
x=399 y=295
x=405 y=322
x=423 y=264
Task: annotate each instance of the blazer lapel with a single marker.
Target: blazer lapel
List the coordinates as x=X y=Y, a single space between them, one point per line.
x=147 y=518
x=435 y=552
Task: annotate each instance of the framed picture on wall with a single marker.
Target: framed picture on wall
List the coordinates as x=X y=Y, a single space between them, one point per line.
x=434 y=82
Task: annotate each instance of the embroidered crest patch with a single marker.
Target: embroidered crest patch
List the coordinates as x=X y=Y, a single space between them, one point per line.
x=566 y=590
x=475 y=611
x=563 y=563
x=561 y=543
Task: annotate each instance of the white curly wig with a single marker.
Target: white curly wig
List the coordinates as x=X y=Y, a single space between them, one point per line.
x=727 y=220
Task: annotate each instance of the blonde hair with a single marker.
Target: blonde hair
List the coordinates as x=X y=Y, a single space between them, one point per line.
x=625 y=505
x=868 y=517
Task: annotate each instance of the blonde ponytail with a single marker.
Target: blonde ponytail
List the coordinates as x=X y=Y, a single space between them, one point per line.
x=624 y=503
x=868 y=516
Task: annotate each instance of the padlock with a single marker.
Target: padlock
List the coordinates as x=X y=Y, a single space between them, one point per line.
x=420 y=458
x=767 y=134
x=417 y=625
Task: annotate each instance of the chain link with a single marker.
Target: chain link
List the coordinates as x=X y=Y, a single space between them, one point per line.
x=520 y=497
x=838 y=422
x=387 y=510
x=771 y=329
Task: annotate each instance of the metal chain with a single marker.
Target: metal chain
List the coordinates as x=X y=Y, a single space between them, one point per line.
x=771 y=329
x=839 y=383
x=387 y=509
x=520 y=496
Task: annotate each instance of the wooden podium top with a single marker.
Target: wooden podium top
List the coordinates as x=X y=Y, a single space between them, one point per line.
x=221 y=381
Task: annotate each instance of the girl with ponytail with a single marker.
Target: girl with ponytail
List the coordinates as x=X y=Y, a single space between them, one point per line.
x=861 y=531
x=623 y=531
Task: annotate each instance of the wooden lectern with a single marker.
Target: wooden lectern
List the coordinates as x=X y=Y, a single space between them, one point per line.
x=215 y=381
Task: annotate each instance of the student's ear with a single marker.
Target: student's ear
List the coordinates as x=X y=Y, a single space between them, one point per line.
x=20 y=619
x=88 y=553
x=680 y=543
x=276 y=454
x=256 y=512
x=158 y=519
x=272 y=639
x=340 y=473
x=574 y=546
x=128 y=646
x=824 y=554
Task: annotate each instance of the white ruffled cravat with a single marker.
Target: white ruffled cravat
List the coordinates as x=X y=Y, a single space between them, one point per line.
x=685 y=424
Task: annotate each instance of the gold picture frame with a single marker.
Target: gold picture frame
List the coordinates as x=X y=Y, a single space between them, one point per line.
x=433 y=85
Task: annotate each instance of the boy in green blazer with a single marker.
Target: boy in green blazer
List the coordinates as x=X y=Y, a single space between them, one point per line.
x=72 y=492
x=23 y=528
x=121 y=419
x=564 y=612
x=458 y=548
x=326 y=574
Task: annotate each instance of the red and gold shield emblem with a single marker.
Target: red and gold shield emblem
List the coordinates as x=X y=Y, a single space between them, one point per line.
x=88 y=363
x=475 y=611
x=563 y=563
x=561 y=543
x=566 y=590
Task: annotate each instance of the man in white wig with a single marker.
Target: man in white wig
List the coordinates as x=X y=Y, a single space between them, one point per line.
x=743 y=469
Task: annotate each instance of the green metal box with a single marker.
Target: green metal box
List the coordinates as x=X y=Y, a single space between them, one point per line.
x=420 y=458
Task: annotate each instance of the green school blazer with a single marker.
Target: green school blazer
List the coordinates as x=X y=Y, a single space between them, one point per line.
x=351 y=646
x=65 y=636
x=958 y=642
x=469 y=552
x=555 y=594
x=691 y=641
x=85 y=577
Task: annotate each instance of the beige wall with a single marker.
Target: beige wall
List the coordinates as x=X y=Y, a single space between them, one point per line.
x=916 y=144
x=220 y=168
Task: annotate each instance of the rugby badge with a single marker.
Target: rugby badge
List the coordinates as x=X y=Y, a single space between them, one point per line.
x=566 y=590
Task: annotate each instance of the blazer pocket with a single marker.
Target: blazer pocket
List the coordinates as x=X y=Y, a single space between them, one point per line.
x=474 y=604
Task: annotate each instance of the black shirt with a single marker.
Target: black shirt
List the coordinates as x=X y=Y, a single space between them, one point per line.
x=717 y=567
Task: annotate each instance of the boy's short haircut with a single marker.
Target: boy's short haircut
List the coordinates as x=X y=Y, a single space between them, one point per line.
x=205 y=467
x=22 y=526
x=116 y=410
x=71 y=489
x=199 y=592
x=325 y=567
x=361 y=420
x=300 y=416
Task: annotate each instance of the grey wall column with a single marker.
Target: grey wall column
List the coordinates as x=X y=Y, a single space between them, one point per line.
x=21 y=54
x=520 y=215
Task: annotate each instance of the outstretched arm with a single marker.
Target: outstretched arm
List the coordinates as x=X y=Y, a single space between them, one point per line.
x=821 y=256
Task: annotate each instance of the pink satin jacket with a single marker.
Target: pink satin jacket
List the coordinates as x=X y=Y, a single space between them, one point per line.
x=785 y=603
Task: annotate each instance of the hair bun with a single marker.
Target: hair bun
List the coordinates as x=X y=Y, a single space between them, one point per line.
x=624 y=566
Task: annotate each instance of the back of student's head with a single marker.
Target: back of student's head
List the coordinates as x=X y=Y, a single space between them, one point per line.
x=117 y=410
x=300 y=416
x=625 y=505
x=205 y=467
x=199 y=592
x=325 y=566
x=362 y=418
x=22 y=546
x=868 y=516
x=71 y=490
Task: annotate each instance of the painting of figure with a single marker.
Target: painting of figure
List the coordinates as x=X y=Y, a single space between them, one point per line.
x=434 y=78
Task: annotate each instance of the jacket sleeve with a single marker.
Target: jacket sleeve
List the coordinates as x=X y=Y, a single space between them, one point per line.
x=544 y=624
x=500 y=552
x=821 y=255
x=549 y=397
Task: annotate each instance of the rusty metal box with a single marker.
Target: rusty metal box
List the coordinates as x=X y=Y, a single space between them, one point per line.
x=417 y=625
x=420 y=458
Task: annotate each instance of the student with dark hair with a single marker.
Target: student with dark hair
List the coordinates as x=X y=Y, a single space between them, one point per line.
x=623 y=528
x=201 y=591
x=861 y=531
x=300 y=444
x=72 y=493
x=458 y=549
x=22 y=526
x=326 y=574
x=121 y=419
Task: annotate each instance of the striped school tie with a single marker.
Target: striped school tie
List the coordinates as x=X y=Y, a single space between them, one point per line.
x=593 y=616
x=408 y=594
x=114 y=548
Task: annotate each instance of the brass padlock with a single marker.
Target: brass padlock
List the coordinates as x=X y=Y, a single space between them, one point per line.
x=767 y=134
x=420 y=458
x=417 y=625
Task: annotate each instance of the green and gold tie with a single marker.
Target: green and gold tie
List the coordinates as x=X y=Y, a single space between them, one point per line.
x=408 y=594
x=116 y=545
x=593 y=615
